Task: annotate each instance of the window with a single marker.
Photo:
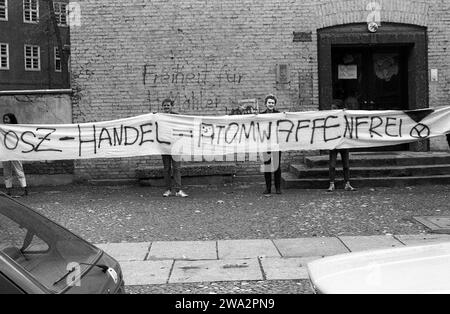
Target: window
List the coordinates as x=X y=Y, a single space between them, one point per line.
x=58 y=66
x=32 y=58
x=3 y=10
x=31 y=11
x=61 y=13
x=4 y=56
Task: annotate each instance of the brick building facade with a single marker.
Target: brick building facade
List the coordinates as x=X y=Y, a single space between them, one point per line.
x=127 y=56
x=30 y=58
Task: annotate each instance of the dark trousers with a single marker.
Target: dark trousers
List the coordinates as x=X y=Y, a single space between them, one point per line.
x=276 y=173
x=345 y=155
x=448 y=139
x=170 y=165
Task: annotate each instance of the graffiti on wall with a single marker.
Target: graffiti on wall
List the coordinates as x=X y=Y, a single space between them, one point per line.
x=193 y=88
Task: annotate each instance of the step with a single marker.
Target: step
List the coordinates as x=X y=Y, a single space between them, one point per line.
x=189 y=170
x=301 y=171
x=49 y=179
x=209 y=180
x=191 y=181
x=253 y=179
x=383 y=159
x=290 y=181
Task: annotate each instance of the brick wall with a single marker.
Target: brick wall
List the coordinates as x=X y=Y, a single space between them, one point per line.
x=207 y=55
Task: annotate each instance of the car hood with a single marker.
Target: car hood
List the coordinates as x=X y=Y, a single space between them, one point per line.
x=416 y=269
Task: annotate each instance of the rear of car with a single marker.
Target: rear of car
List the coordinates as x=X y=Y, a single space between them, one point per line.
x=39 y=256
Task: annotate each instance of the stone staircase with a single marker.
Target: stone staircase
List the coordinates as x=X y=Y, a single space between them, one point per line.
x=378 y=169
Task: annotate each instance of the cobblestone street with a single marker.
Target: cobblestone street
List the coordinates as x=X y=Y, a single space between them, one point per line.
x=230 y=287
x=139 y=214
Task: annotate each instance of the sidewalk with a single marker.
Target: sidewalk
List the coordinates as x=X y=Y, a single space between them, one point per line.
x=171 y=262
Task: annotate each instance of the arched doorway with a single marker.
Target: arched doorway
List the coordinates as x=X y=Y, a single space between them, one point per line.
x=386 y=70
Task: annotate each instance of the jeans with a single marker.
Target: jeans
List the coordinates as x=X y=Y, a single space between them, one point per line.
x=345 y=155
x=11 y=167
x=170 y=165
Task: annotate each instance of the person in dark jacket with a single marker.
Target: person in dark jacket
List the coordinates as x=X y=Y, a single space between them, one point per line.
x=13 y=167
x=272 y=158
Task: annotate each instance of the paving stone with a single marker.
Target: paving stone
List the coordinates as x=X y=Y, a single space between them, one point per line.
x=126 y=251
x=307 y=247
x=146 y=272
x=364 y=243
x=218 y=270
x=437 y=224
x=423 y=239
x=193 y=250
x=277 y=268
x=246 y=249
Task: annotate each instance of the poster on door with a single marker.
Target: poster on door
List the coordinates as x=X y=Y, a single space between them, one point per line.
x=347 y=72
x=385 y=65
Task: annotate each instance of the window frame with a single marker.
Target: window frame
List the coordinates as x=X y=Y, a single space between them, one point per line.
x=32 y=58
x=57 y=58
x=2 y=56
x=31 y=12
x=58 y=12
x=6 y=11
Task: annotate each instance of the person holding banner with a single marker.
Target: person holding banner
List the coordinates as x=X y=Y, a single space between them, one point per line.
x=272 y=160
x=170 y=164
x=12 y=167
x=352 y=103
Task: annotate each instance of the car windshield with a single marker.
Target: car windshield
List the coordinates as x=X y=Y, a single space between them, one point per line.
x=42 y=248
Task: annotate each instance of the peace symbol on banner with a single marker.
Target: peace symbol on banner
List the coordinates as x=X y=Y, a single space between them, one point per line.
x=420 y=131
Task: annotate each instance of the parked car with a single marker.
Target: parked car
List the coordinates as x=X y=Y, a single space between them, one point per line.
x=423 y=269
x=39 y=256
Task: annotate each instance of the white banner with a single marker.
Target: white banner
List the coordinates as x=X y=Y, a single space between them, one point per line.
x=156 y=134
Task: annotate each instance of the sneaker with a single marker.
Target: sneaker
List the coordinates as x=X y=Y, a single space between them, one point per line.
x=332 y=188
x=267 y=192
x=167 y=193
x=181 y=194
x=278 y=191
x=348 y=187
